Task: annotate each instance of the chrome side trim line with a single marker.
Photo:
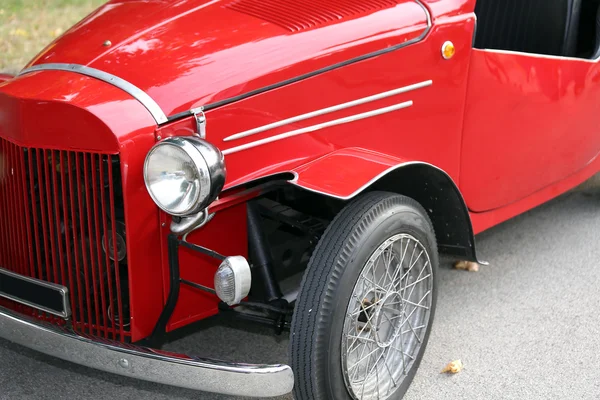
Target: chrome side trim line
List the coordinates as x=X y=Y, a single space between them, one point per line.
x=328 y=110
x=537 y=55
x=135 y=92
x=317 y=127
x=147 y=364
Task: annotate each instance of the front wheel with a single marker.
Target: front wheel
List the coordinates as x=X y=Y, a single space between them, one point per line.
x=366 y=304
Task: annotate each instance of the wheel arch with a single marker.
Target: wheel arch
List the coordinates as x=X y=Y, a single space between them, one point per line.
x=347 y=173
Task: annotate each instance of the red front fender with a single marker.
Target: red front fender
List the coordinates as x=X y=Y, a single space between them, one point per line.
x=346 y=173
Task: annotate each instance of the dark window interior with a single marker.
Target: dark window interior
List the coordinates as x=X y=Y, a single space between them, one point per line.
x=569 y=28
x=588 y=44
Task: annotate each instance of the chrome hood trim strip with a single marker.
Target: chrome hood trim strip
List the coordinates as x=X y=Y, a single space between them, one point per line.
x=135 y=92
x=145 y=363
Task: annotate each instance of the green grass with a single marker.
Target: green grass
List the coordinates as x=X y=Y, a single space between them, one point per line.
x=27 y=26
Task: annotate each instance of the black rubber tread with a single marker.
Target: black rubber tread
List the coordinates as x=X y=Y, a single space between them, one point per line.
x=321 y=280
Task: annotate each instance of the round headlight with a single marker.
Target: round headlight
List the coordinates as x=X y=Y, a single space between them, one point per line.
x=184 y=175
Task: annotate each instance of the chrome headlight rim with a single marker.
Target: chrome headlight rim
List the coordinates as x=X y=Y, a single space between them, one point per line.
x=209 y=165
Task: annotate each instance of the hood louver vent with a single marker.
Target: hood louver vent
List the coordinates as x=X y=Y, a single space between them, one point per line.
x=298 y=15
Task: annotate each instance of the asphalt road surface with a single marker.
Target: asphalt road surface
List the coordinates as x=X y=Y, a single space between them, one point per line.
x=526 y=327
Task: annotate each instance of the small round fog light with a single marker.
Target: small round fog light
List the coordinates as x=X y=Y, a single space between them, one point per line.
x=233 y=280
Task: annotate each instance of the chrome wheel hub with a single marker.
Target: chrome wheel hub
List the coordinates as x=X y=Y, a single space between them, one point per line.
x=387 y=318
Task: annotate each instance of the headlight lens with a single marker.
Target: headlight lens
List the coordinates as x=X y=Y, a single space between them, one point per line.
x=183 y=175
x=233 y=280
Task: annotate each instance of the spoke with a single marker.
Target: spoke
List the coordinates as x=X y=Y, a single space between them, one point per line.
x=382 y=280
x=369 y=373
x=418 y=305
x=407 y=273
x=390 y=252
x=362 y=330
x=404 y=354
x=415 y=282
x=405 y=250
x=415 y=309
x=398 y=268
x=362 y=338
x=413 y=330
x=362 y=308
x=367 y=345
x=356 y=338
x=388 y=368
x=361 y=360
x=377 y=286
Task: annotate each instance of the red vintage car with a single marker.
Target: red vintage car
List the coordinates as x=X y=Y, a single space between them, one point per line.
x=300 y=163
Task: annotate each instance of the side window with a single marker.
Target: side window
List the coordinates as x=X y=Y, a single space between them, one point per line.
x=566 y=28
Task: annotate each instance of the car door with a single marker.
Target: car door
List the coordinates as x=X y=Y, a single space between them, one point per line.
x=531 y=119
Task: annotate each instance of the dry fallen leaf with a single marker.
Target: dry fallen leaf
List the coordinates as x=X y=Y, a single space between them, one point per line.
x=467 y=266
x=453 y=368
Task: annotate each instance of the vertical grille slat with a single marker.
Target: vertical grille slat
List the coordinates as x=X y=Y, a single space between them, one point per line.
x=77 y=284
x=20 y=217
x=113 y=220
x=107 y=256
x=27 y=206
x=83 y=241
x=68 y=235
x=8 y=207
x=62 y=221
x=92 y=238
x=98 y=238
x=43 y=235
x=34 y=212
x=50 y=222
x=57 y=219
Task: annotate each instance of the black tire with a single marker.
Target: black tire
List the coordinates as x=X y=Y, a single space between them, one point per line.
x=326 y=290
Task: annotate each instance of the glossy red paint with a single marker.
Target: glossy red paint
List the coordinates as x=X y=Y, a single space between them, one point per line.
x=225 y=234
x=198 y=54
x=411 y=133
x=337 y=172
x=193 y=53
x=5 y=77
x=508 y=153
x=486 y=220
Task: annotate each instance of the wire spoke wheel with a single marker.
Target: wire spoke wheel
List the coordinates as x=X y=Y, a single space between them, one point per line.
x=387 y=318
x=367 y=302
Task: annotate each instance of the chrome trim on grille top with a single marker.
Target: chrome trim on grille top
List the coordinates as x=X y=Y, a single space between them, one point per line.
x=317 y=127
x=64 y=293
x=137 y=93
x=328 y=110
x=145 y=363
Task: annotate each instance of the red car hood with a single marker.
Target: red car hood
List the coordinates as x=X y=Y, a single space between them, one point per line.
x=190 y=53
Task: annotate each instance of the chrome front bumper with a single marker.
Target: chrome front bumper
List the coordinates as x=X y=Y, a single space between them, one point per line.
x=145 y=363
